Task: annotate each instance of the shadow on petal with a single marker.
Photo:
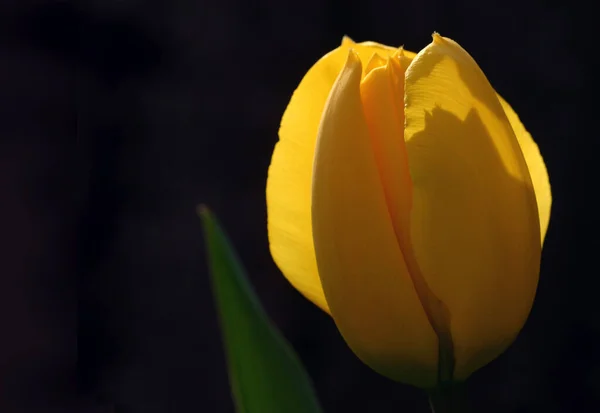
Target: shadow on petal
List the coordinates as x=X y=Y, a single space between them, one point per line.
x=475 y=234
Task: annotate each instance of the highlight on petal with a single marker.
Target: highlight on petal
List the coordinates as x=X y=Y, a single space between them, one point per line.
x=289 y=179
x=474 y=221
x=536 y=166
x=362 y=270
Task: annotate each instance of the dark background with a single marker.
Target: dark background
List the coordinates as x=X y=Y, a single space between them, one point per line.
x=118 y=117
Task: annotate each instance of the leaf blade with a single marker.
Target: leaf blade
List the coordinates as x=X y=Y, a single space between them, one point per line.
x=264 y=372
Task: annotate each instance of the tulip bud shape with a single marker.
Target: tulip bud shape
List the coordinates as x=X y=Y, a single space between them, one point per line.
x=406 y=199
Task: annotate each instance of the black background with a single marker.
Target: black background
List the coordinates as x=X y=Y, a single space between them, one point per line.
x=117 y=117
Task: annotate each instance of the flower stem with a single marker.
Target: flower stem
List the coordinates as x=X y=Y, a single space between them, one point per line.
x=448 y=397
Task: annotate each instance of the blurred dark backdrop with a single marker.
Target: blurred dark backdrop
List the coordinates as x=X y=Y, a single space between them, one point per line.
x=117 y=117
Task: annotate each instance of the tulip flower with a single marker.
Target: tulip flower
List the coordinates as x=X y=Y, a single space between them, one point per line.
x=406 y=199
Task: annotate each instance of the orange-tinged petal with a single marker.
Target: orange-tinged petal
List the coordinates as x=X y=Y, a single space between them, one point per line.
x=362 y=270
x=290 y=173
x=367 y=48
x=474 y=221
x=536 y=165
x=374 y=62
x=382 y=94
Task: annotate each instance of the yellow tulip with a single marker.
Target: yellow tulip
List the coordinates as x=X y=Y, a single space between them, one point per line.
x=406 y=199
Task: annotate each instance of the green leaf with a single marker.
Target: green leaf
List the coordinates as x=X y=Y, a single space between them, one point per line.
x=265 y=374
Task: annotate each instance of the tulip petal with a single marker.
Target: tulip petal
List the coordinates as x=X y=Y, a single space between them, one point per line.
x=369 y=291
x=374 y=62
x=382 y=94
x=367 y=48
x=536 y=166
x=474 y=222
x=290 y=173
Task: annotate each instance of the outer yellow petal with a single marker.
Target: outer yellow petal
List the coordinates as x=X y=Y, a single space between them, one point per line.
x=474 y=222
x=368 y=288
x=536 y=165
x=290 y=179
x=290 y=174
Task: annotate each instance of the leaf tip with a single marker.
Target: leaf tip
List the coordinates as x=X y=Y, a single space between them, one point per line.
x=203 y=211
